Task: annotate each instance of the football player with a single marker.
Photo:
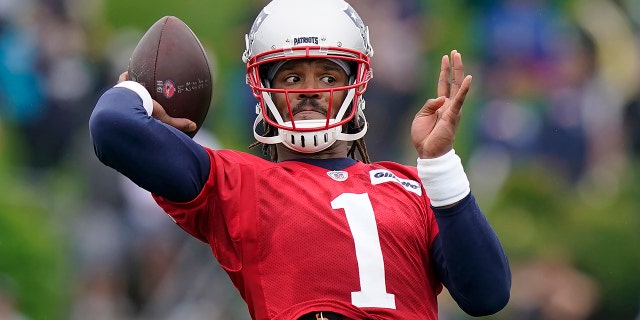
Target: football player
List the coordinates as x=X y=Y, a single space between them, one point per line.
x=318 y=232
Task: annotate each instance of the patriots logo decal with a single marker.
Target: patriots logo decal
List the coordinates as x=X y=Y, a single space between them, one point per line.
x=355 y=17
x=259 y=20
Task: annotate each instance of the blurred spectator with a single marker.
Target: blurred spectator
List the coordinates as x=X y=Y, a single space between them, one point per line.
x=516 y=43
x=46 y=78
x=632 y=109
x=21 y=93
x=545 y=99
x=563 y=142
x=101 y=295
x=68 y=81
x=515 y=39
x=614 y=82
x=632 y=129
x=551 y=288
x=393 y=96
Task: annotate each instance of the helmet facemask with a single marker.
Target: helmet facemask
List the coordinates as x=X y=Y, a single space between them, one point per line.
x=309 y=136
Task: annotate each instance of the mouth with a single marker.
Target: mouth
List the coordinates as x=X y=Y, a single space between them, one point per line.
x=308 y=110
x=309 y=115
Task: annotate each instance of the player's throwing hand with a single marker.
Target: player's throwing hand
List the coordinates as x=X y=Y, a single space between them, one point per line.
x=182 y=124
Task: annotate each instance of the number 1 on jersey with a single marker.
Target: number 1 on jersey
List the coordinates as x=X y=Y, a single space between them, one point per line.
x=362 y=222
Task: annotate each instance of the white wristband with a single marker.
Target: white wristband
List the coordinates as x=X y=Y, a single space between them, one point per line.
x=142 y=92
x=444 y=179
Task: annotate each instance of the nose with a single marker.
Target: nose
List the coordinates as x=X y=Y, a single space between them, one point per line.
x=309 y=95
x=307 y=85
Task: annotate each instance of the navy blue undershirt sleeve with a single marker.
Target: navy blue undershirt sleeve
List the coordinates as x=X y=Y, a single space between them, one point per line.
x=470 y=259
x=154 y=155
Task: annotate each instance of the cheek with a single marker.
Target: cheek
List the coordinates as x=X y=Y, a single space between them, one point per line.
x=280 y=101
x=338 y=98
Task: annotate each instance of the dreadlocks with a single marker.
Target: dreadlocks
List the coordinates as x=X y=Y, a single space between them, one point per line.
x=269 y=150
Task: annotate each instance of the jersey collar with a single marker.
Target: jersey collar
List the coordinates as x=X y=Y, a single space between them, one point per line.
x=329 y=164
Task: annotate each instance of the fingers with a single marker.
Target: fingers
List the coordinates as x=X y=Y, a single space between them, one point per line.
x=431 y=106
x=451 y=74
x=123 y=76
x=457 y=73
x=461 y=95
x=443 y=81
x=182 y=124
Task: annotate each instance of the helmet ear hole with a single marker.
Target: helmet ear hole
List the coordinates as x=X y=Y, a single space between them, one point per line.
x=358 y=122
x=263 y=72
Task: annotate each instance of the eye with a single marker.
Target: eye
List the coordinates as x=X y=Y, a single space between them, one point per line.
x=292 y=79
x=328 y=79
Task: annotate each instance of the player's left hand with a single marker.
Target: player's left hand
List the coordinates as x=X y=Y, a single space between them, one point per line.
x=182 y=124
x=434 y=126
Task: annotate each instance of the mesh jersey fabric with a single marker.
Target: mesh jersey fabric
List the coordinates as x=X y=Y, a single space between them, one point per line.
x=294 y=238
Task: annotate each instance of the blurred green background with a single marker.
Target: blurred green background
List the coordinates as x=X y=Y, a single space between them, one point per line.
x=549 y=138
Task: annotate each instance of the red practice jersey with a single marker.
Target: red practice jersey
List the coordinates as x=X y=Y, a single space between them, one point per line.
x=297 y=238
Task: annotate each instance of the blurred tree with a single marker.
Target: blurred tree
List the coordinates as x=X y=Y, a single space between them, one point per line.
x=536 y=214
x=32 y=252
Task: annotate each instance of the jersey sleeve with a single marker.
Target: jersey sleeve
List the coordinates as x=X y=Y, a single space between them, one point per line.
x=155 y=156
x=470 y=260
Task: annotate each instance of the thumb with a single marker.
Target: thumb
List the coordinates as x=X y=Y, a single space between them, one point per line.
x=431 y=106
x=182 y=124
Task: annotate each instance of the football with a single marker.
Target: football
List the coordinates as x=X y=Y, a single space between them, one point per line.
x=171 y=63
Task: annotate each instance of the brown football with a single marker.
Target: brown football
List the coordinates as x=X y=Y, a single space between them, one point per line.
x=170 y=62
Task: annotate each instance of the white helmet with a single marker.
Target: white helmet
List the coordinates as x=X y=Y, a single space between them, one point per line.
x=294 y=29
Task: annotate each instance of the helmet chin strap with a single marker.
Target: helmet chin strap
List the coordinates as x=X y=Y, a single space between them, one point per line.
x=310 y=141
